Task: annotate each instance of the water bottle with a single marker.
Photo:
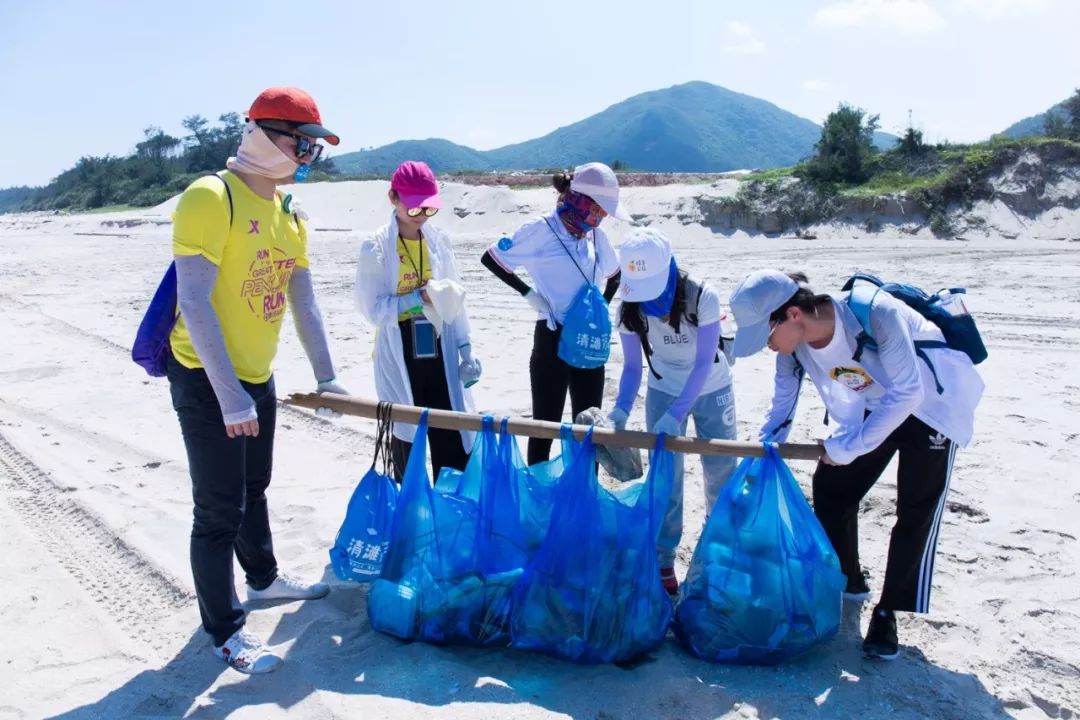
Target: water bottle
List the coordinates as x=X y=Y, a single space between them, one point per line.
x=952 y=303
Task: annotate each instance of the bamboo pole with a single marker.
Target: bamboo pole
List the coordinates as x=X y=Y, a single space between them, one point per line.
x=450 y=420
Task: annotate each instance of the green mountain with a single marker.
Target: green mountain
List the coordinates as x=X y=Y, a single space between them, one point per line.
x=694 y=127
x=1035 y=124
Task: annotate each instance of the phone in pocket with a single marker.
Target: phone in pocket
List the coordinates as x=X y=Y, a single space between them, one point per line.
x=424 y=340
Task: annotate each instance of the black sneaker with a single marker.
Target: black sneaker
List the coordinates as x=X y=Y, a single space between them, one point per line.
x=857 y=590
x=881 y=639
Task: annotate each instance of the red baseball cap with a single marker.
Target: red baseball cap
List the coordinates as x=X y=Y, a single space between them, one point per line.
x=293 y=105
x=415 y=184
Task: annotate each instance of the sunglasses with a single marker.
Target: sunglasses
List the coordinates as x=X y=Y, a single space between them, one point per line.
x=304 y=147
x=415 y=212
x=773 y=325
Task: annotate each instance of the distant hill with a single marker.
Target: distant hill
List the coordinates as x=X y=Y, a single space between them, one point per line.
x=694 y=127
x=1034 y=125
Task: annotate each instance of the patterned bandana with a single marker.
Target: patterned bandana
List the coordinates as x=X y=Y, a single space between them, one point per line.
x=661 y=306
x=575 y=210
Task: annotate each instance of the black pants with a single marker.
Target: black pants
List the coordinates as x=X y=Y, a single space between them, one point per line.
x=551 y=378
x=427 y=378
x=229 y=478
x=922 y=482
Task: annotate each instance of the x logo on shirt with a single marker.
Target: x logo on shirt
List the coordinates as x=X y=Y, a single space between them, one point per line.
x=254 y=227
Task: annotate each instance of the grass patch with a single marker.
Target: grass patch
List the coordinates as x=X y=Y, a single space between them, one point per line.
x=896 y=181
x=771 y=174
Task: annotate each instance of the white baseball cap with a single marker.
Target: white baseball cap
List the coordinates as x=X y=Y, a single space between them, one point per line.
x=598 y=181
x=645 y=261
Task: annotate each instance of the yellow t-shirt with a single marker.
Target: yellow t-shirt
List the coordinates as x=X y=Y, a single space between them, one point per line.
x=413 y=257
x=255 y=256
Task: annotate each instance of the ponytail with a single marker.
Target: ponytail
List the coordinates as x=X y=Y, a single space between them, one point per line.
x=561 y=181
x=804 y=298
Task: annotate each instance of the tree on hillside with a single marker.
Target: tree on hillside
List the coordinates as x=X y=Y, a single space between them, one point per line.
x=845 y=152
x=1072 y=107
x=911 y=143
x=207 y=148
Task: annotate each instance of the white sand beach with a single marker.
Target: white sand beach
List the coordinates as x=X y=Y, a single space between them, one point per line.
x=98 y=617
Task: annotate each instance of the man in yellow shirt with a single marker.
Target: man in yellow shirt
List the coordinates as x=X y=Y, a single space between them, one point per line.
x=241 y=256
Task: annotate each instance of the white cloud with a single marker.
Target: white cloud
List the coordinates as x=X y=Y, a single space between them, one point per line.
x=816 y=85
x=1001 y=9
x=742 y=39
x=908 y=16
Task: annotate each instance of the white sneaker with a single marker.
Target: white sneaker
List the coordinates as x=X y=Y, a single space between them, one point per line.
x=248 y=654
x=286 y=587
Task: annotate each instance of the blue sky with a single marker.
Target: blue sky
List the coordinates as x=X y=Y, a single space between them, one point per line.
x=85 y=78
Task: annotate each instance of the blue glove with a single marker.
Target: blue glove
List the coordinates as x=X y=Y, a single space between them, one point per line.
x=618 y=418
x=667 y=425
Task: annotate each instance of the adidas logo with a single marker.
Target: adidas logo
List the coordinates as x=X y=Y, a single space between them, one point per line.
x=937 y=442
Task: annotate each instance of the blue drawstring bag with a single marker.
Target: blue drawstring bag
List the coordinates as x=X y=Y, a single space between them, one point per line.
x=764 y=584
x=592 y=594
x=455 y=553
x=585 y=337
x=151 y=350
x=364 y=537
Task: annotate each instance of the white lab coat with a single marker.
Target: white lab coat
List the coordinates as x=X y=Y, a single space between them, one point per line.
x=376 y=297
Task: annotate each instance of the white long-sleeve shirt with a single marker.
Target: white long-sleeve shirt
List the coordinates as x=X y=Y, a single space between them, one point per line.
x=891 y=382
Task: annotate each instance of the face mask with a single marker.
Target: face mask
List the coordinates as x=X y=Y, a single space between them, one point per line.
x=575 y=210
x=661 y=306
x=259 y=155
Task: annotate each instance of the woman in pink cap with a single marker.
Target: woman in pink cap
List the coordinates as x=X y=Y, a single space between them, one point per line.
x=566 y=254
x=421 y=358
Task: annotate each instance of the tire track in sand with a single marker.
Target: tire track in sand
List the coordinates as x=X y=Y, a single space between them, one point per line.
x=135 y=593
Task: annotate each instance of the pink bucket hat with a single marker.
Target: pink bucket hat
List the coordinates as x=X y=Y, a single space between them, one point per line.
x=415 y=184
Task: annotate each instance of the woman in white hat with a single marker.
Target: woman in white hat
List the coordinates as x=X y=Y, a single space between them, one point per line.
x=566 y=254
x=674 y=321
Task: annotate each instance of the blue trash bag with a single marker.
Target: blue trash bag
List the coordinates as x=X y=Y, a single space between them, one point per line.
x=764 y=584
x=592 y=594
x=536 y=491
x=364 y=537
x=455 y=553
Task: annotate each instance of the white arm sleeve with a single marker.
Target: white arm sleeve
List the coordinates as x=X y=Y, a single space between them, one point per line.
x=195 y=278
x=309 y=324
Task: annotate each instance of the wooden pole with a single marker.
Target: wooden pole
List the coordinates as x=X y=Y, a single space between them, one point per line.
x=450 y=420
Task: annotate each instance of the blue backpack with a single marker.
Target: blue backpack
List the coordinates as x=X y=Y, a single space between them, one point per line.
x=151 y=350
x=959 y=329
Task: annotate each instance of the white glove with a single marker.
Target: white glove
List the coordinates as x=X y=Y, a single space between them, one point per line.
x=470 y=369
x=329 y=386
x=618 y=418
x=541 y=306
x=667 y=425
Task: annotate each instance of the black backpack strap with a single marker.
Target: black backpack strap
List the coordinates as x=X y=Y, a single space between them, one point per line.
x=228 y=195
x=866 y=277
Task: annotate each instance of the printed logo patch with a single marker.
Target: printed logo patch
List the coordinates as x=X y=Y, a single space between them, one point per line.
x=853 y=378
x=505 y=244
x=264 y=288
x=254 y=227
x=937 y=442
x=636 y=266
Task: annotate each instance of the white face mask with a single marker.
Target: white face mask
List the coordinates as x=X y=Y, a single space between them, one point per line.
x=259 y=155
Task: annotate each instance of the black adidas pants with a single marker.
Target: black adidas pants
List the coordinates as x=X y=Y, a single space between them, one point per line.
x=926 y=460
x=551 y=378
